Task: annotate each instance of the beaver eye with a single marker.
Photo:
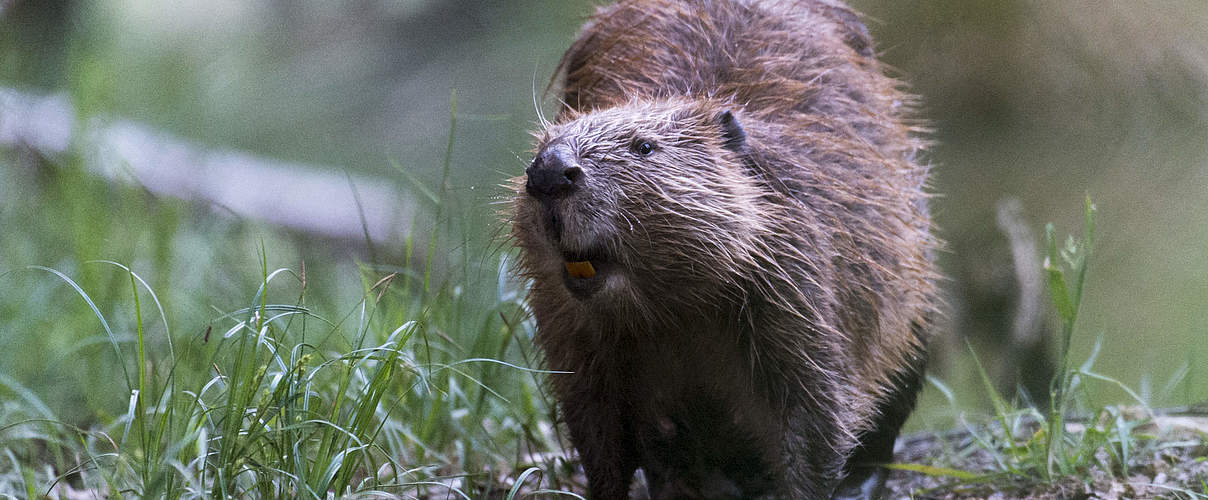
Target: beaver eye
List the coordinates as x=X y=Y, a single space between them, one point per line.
x=643 y=148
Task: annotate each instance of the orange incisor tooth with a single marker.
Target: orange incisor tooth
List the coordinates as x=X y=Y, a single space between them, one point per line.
x=580 y=269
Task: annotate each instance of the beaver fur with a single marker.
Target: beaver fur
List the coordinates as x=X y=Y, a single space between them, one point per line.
x=745 y=182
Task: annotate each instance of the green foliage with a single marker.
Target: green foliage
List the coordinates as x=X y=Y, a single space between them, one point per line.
x=183 y=368
x=1067 y=301
x=1070 y=440
x=278 y=416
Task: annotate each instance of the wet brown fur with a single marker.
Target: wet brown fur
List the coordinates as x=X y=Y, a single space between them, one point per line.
x=763 y=297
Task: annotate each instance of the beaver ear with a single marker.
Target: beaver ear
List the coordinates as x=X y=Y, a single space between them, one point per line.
x=732 y=134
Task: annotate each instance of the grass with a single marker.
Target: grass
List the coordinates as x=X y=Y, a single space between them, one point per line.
x=1028 y=449
x=166 y=352
x=278 y=416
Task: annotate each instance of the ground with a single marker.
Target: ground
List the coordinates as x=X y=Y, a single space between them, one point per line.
x=1173 y=466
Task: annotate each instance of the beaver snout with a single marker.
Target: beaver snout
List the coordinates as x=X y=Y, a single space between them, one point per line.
x=553 y=174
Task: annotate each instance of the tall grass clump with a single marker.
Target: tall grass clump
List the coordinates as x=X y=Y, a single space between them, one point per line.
x=278 y=387
x=279 y=415
x=389 y=398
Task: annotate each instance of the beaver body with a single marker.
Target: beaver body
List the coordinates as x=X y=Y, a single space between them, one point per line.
x=727 y=236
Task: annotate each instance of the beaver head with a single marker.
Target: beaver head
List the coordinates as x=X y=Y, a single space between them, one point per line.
x=646 y=203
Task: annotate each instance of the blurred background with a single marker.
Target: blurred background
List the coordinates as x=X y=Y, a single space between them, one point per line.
x=183 y=137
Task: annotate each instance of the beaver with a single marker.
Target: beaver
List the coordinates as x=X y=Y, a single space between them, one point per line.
x=727 y=237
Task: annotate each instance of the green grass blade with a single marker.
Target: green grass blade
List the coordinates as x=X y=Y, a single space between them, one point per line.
x=520 y=482
x=121 y=359
x=936 y=471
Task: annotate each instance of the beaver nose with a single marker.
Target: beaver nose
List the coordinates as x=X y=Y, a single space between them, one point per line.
x=553 y=174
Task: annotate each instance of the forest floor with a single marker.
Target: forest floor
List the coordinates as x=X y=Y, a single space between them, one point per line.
x=1171 y=463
